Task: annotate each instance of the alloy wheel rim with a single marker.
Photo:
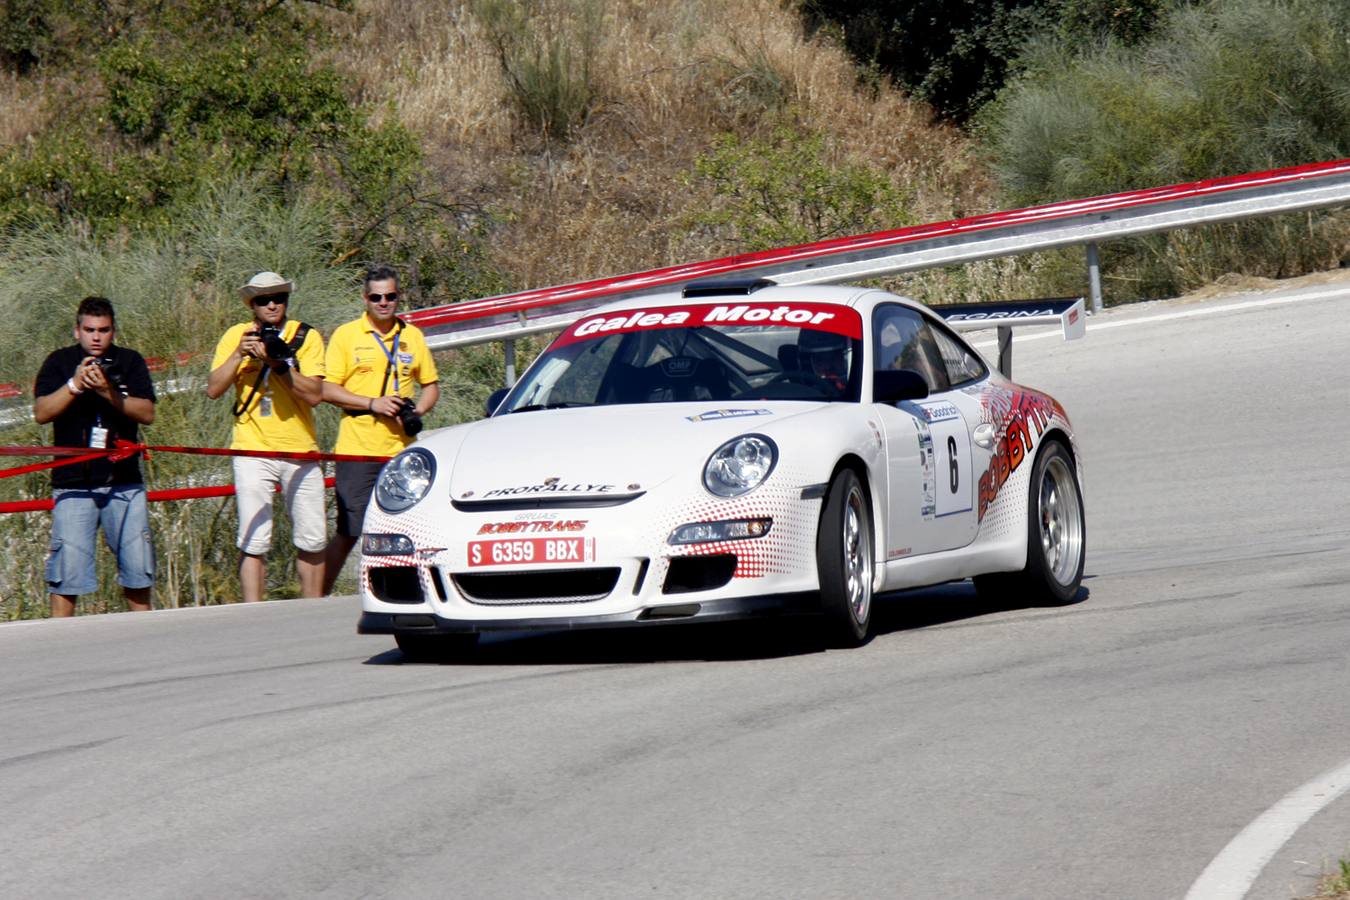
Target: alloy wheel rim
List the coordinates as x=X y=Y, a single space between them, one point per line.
x=1061 y=522
x=857 y=555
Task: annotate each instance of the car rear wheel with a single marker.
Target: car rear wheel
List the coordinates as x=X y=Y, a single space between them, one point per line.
x=1056 y=530
x=435 y=647
x=844 y=561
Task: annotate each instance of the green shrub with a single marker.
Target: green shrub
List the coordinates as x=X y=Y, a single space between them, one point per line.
x=1215 y=91
x=194 y=93
x=1088 y=22
x=953 y=55
x=788 y=190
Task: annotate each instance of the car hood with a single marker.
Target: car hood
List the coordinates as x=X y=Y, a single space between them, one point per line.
x=600 y=451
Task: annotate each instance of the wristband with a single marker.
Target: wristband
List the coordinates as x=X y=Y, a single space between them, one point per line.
x=70 y=386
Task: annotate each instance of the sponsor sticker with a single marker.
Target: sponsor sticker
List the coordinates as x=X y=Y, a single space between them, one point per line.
x=532 y=526
x=814 y=316
x=939 y=412
x=715 y=414
x=527 y=551
x=550 y=486
x=1000 y=315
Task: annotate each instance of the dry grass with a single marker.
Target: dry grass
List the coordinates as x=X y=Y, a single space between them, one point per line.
x=670 y=77
x=21 y=111
x=431 y=61
x=1334 y=885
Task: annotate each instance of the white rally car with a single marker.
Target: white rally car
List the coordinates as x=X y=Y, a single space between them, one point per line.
x=735 y=450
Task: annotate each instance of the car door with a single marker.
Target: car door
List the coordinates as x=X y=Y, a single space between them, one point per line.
x=932 y=460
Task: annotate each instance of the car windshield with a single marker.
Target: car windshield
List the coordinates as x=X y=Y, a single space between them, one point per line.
x=733 y=352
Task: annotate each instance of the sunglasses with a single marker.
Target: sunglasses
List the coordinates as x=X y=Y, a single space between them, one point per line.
x=392 y=297
x=270 y=299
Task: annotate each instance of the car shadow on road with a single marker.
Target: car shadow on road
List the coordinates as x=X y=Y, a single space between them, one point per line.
x=945 y=604
x=716 y=642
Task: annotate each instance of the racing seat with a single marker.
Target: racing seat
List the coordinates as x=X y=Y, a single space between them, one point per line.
x=677 y=378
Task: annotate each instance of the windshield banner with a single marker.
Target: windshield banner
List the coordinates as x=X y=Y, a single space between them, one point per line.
x=813 y=316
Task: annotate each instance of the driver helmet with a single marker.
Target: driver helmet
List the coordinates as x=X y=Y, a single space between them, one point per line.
x=825 y=355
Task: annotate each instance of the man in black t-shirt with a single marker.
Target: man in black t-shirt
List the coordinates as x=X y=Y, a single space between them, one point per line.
x=94 y=393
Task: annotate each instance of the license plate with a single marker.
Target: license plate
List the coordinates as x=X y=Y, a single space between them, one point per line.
x=526 y=551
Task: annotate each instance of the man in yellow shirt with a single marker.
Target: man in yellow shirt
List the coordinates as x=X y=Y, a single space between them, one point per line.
x=276 y=368
x=373 y=364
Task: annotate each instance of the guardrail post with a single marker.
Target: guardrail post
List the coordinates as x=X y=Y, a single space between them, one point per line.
x=509 y=349
x=1094 y=276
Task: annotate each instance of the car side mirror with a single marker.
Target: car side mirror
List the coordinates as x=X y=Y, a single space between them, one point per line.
x=894 y=385
x=495 y=399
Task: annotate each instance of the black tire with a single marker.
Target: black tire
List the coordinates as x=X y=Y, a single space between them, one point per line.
x=844 y=561
x=435 y=647
x=1056 y=539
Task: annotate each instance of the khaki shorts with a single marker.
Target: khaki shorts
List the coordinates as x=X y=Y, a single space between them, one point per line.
x=255 y=484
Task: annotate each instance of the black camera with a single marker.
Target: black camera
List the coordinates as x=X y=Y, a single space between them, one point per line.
x=409 y=419
x=278 y=350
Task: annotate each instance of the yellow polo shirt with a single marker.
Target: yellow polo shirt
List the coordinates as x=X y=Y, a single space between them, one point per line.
x=290 y=427
x=357 y=362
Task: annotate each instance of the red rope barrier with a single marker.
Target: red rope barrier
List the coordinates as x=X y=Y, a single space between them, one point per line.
x=46 y=451
x=67 y=456
x=38 y=467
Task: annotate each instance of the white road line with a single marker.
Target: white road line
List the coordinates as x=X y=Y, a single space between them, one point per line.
x=1094 y=325
x=1231 y=874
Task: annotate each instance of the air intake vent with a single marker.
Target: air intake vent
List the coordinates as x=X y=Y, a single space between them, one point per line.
x=551 y=586
x=396 y=584
x=699 y=573
x=721 y=288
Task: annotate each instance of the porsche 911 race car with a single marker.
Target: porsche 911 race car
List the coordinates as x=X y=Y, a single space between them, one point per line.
x=730 y=451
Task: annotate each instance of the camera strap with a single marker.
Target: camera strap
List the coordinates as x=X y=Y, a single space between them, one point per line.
x=295 y=343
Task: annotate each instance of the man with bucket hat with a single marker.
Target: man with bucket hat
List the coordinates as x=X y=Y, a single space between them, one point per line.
x=276 y=367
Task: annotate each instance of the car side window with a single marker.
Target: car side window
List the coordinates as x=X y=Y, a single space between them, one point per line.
x=962 y=365
x=903 y=340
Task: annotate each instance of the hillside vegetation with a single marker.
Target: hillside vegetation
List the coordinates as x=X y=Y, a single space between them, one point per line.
x=161 y=152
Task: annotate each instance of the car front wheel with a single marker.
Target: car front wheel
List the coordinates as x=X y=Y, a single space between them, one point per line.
x=844 y=561
x=1056 y=530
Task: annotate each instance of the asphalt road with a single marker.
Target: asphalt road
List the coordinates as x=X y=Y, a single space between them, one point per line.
x=1109 y=749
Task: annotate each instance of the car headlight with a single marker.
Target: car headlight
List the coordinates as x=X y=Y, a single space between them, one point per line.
x=404 y=480
x=740 y=465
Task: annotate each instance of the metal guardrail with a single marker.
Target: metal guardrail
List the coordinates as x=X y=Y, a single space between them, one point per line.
x=1072 y=223
x=1075 y=222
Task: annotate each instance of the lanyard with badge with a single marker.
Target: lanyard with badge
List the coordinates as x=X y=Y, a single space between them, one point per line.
x=98 y=434
x=391 y=354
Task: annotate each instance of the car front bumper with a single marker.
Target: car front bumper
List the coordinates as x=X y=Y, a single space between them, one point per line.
x=727 y=609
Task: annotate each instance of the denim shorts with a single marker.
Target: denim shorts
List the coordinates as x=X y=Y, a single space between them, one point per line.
x=120 y=510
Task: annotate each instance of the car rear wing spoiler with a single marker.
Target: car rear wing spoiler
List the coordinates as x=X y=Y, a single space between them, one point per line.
x=1067 y=312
